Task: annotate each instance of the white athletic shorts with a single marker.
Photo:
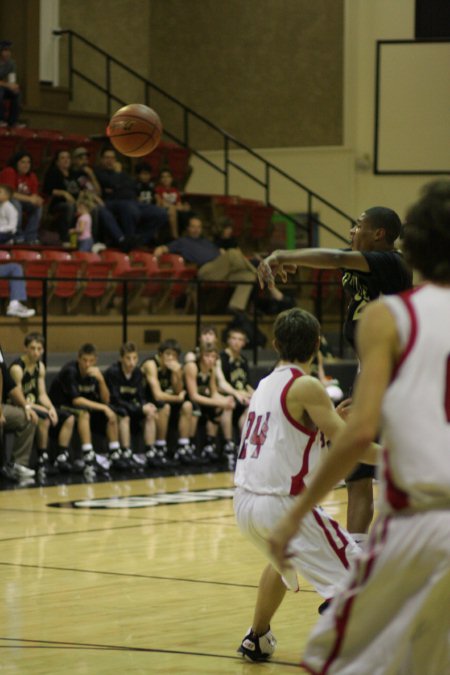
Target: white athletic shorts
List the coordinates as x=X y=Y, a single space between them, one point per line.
x=393 y=616
x=322 y=551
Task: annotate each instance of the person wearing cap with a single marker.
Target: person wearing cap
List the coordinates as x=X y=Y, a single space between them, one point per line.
x=9 y=89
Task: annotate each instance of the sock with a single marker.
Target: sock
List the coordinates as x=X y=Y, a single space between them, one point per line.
x=86 y=447
x=113 y=446
x=183 y=441
x=160 y=444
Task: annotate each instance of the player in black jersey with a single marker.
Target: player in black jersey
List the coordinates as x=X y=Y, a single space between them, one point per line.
x=126 y=387
x=28 y=372
x=81 y=389
x=215 y=408
x=165 y=386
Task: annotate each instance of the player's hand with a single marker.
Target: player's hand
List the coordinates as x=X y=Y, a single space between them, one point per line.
x=229 y=402
x=109 y=413
x=279 y=541
x=94 y=371
x=270 y=267
x=31 y=415
x=53 y=416
x=344 y=408
x=181 y=396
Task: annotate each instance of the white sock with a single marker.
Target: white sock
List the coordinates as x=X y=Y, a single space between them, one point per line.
x=87 y=447
x=113 y=445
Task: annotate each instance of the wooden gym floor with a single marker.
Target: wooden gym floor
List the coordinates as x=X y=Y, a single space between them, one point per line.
x=136 y=576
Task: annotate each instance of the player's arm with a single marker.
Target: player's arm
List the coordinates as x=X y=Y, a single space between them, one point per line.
x=281 y=262
x=151 y=375
x=379 y=350
x=44 y=400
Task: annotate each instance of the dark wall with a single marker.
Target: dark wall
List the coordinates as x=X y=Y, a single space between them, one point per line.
x=270 y=72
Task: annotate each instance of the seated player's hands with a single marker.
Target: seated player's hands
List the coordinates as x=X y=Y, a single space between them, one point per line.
x=228 y=402
x=181 y=396
x=270 y=267
x=53 y=416
x=94 y=371
x=242 y=397
x=149 y=409
x=109 y=413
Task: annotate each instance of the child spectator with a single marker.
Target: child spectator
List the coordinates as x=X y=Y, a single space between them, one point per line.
x=86 y=203
x=215 y=408
x=144 y=184
x=169 y=197
x=125 y=383
x=9 y=216
x=22 y=180
x=225 y=238
x=165 y=386
x=28 y=372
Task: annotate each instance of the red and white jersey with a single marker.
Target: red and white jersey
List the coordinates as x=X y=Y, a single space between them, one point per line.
x=277 y=454
x=415 y=471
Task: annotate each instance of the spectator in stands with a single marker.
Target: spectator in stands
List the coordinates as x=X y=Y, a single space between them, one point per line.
x=28 y=372
x=81 y=389
x=17 y=290
x=22 y=180
x=215 y=409
x=16 y=415
x=225 y=238
x=139 y=222
x=9 y=89
x=214 y=264
x=9 y=216
x=125 y=383
x=163 y=374
x=169 y=197
x=61 y=187
x=83 y=225
x=145 y=186
x=105 y=226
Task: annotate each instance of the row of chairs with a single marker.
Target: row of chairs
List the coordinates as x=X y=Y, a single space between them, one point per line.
x=72 y=276
x=251 y=219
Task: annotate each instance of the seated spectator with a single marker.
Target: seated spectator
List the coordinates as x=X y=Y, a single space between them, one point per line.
x=82 y=231
x=145 y=187
x=16 y=415
x=125 y=383
x=105 y=227
x=225 y=238
x=9 y=89
x=215 y=409
x=18 y=175
x=139 y=222
x=60 y=186
x=214 y=264
x=9 y=216
x=169 y=197
x=80 y=388
x=17 y=290
x=28 y=372
x=165 y=387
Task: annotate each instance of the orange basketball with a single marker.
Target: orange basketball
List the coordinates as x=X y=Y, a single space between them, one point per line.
x=135 y=130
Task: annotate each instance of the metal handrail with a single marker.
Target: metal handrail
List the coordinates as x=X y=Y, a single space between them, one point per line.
x=313 y=198
x=199 y=284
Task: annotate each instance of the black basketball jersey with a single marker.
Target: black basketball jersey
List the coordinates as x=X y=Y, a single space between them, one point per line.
x=30 y=380
x=164 y=378
x=235 y=371
x=124 y=389
x=204 y=382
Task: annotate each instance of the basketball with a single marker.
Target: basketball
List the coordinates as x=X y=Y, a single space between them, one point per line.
x=135 y=130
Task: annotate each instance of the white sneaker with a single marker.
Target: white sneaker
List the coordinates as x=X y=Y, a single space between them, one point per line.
x=15 y=308
x=17 y=472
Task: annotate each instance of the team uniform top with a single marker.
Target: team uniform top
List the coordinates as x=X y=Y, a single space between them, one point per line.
x=164 y=379
x=126 y=392
x=388 y=273
x=70 y=384
x=277 y=454
x=235 y=370
x=416 y=474
x=29 y=382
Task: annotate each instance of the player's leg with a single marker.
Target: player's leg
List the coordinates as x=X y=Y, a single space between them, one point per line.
x=259 y=643
x=360 y=501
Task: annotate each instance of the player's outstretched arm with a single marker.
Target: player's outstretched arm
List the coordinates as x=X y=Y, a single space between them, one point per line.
x=282 y=262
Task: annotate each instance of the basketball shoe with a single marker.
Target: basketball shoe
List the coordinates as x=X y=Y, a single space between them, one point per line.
x=258 y=647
